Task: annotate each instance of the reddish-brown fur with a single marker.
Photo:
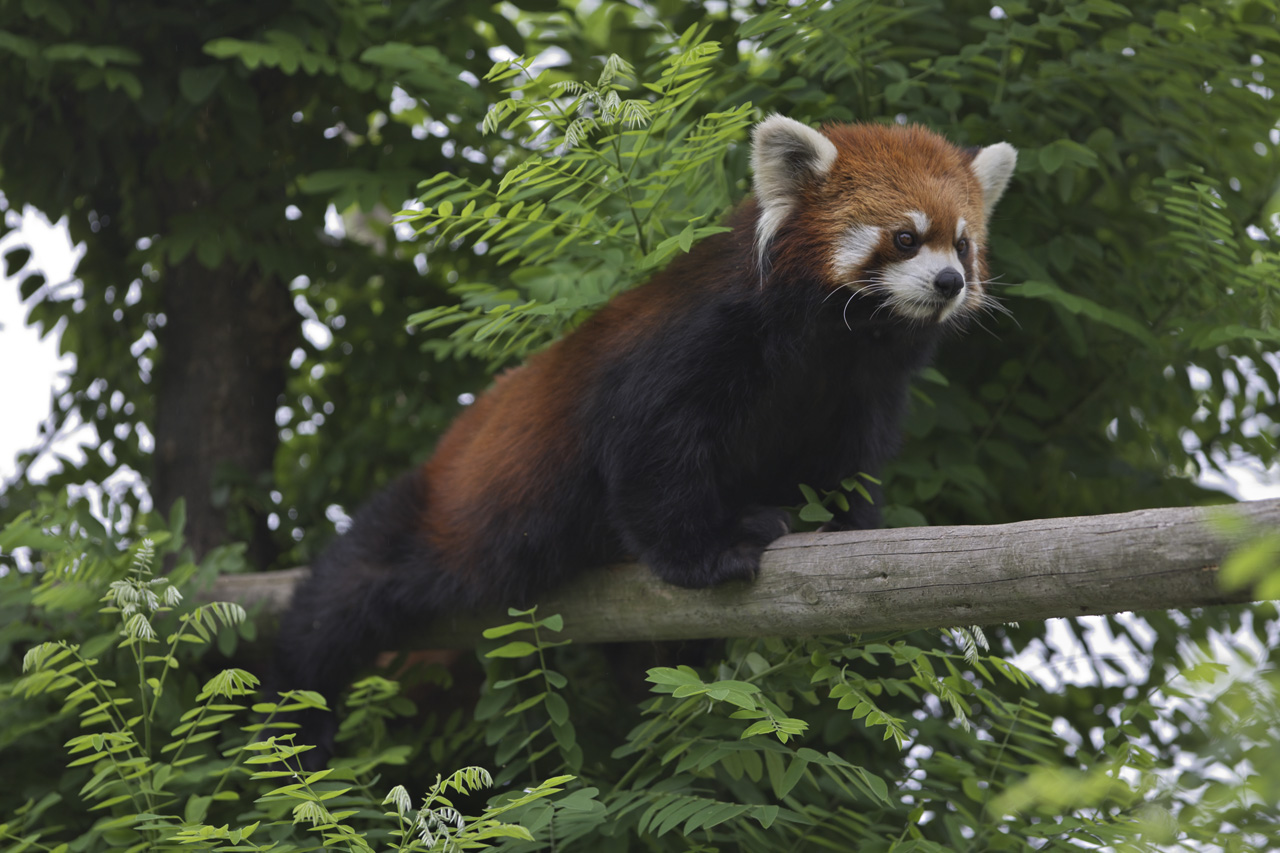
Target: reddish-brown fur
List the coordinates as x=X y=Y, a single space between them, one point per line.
x=501 y=451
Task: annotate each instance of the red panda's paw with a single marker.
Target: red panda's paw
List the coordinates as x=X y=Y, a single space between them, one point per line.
x=755 y=530
x=861 y=516
x=762 y=525
x=715 y=564
x=739 y=563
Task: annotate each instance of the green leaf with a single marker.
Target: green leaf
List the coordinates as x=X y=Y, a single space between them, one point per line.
x=504 y=630
x=517 y=649
x=98 y=56
x=1251 y=563
x=557 y=708
x=788 y=780
x=666 y=675
x=1076 y=304
x=197 y=84
x=764 y=727
x=196 y=809
x=24 y=48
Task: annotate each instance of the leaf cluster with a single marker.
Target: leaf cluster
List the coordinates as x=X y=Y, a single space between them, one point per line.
x=158 y=761
x=600 y=188
x=893 y=742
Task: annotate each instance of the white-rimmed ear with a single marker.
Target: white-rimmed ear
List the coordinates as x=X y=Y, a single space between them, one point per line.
x=993 y=167
x=785 y=155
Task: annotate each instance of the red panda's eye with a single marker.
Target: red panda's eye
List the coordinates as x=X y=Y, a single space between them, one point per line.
x=962 y=246
x=905 y=240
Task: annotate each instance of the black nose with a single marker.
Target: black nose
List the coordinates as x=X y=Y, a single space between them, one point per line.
x=948 y=283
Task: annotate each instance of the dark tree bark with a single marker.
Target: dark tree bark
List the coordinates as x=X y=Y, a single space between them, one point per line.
x=224 y=350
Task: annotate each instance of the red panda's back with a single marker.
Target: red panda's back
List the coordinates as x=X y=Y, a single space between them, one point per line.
x=501 y=454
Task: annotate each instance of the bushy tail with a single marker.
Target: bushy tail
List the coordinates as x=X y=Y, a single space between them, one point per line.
x=367 y=592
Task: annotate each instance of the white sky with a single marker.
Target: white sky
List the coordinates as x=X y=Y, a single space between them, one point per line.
x=30 y=367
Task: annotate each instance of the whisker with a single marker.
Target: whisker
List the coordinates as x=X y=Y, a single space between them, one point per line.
x=844 y=312
x=834 y=292
x=996 y=281
x=983 y=326
x=869 y=285
x=990 y=303
x=994 y=306
x=848 y=285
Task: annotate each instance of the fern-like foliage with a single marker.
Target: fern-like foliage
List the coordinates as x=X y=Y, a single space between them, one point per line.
x=120 y=747
x=611 y=178
x=835 y=41
x=1206 y=245
x=439 y=826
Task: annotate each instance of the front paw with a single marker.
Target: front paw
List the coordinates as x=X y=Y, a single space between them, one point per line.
x=762 y=525
x=738 y=563
x=705 y=565
x=860 y=517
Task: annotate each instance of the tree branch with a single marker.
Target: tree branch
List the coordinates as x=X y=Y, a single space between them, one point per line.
x=877 y=580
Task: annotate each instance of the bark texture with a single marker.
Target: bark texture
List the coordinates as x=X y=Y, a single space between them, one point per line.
x=224 y=350
x=875 y=580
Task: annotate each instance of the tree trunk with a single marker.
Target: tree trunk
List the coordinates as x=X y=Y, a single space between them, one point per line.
x=223 y=350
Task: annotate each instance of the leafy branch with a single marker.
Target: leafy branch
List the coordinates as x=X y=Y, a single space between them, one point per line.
x=609 y=179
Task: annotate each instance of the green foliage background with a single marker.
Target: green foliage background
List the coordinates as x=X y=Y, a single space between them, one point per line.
x=1137 y=250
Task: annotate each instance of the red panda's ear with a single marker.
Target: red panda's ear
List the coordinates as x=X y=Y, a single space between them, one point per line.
x=785 y=155
x=993 y=167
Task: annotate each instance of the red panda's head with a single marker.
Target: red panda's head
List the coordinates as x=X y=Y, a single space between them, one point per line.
x=895 y=214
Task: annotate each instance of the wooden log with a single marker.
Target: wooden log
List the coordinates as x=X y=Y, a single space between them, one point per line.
x=877 y=580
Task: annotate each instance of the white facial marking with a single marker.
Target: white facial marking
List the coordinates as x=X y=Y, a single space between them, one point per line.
x=909 y=285
x=919 y=220
x=854 y=250
x=960 y=224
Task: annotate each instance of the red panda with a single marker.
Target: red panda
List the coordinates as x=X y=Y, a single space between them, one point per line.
x=675 y=422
